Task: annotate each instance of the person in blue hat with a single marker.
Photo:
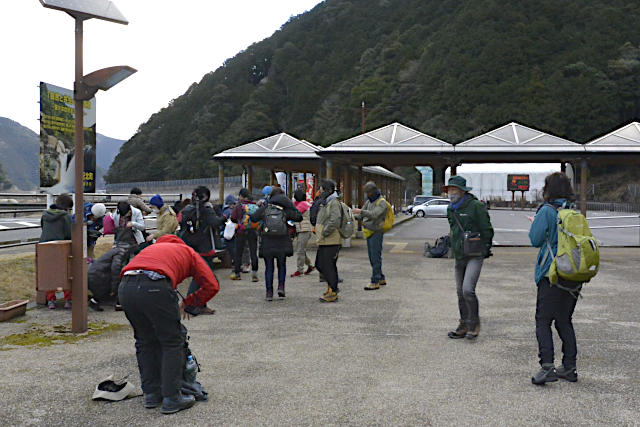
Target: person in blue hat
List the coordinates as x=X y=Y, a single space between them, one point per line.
x=166 y=222
x=471 y=239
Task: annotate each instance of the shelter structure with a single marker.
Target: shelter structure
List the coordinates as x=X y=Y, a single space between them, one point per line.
x=615 y=146
x=285 y=153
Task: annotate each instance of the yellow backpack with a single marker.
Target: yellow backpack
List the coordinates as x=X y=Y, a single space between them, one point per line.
x=389 y=219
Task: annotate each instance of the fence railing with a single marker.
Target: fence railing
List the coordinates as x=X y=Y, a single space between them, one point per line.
x=176 y=183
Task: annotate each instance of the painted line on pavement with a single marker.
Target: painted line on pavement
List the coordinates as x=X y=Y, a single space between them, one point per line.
x=2 y=227
x=400 y=248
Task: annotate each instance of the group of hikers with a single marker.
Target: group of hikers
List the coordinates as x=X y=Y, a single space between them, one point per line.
x=142 y=271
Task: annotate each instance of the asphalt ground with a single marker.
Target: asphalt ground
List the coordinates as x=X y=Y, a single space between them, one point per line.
x=372 y=358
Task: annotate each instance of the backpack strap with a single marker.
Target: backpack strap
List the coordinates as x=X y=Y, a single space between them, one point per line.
x=455 y=216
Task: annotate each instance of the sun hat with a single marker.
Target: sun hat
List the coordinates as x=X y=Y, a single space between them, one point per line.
x=457 y=181
x=108 y=389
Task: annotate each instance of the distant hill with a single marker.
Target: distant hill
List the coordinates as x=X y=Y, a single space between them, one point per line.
x=451 y=68
x=20 y=148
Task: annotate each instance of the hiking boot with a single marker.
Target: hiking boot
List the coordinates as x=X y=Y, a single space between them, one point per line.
x=329 y=296
x=269 y=296
x=254 y=276
x=171 y=405
x=67 y=305
x=460 y=332
x=329 y=290
x=372 y=287
x=570 y=374
x=547 y=374
x=281 y=290
x=383 y=282
x=309 y=270
x=235 y=276
x=152 y=400
x=95 y=305
x=296 y=274
x=51 y=305
x=473 y=332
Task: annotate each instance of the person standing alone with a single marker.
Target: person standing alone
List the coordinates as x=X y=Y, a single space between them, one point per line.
x=372 y=215
x=329 y=215
x=471 y=239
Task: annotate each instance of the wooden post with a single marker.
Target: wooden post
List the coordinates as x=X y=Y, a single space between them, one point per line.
x=563 y=167
x=346 y=178
x=359 y=191
x=272 y=178
x=437 y=180
x=454 y=169
x=290 y=184
x=583 y=187
x=220 y=182
x=330 y=170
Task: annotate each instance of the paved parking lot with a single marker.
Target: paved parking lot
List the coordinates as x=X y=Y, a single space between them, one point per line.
x=373 y=358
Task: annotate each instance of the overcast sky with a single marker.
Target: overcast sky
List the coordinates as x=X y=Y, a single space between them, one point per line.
x=171 y=44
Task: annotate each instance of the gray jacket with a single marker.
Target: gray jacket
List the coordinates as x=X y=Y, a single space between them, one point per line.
x=373 y=214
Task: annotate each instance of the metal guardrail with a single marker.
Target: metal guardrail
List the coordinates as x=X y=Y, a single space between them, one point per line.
x=615 y=217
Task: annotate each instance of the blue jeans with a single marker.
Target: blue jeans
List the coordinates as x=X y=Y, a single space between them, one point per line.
x=467 y=273
x=269 y=270
x=374 y=247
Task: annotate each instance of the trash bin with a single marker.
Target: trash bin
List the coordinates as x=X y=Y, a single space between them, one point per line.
x=53 y=268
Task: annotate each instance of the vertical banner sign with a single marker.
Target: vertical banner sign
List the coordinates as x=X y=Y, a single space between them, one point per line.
x=57 y=164
x=427 y=179
x=310 y=188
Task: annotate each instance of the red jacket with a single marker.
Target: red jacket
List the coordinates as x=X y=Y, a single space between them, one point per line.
x=171 y=257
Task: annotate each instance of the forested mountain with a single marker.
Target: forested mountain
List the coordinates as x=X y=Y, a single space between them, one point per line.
x=19 y=148
x=450 y=68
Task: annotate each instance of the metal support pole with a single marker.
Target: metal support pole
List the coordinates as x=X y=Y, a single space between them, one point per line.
x=78 y=240
x=221 y=182
x=583 y=187
x=330 y=170
x=348 y=191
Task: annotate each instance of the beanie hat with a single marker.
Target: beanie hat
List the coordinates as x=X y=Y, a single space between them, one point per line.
x=157 y=201
x=98 y=210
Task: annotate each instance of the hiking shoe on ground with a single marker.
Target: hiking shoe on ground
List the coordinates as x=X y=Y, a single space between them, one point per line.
x=51 y=305
x=281 y=291
x=473 y=333
x=296 y=274
x=329 y=296
x=460 y=332
x=246 y=268
x=547 y=374
x=254 y=276
x=152 y=400
x=117 y=306
x=235 y=276
x=171 y=405
x=309 y=270
x=569 y=374
x=383 y=282
x=67 y=305
x=372 y=287
x=269 y=296
x=95 y=305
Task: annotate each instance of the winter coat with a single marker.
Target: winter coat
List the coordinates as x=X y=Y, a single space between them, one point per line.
x=304 y=225
x=328 y=220
x=206 y=231
x=373 y=214
x=137 y=225
x=56 y=225
x=166 y=222
x=277 y=246
x=473 y=216
x=104 y=273
x=545 y=228
x=137 y=202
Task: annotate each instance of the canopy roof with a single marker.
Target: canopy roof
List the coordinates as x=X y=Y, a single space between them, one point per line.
x=394 y=137
x=516 y=138
x=277 y=146
x=625 y=139
x=379 y=170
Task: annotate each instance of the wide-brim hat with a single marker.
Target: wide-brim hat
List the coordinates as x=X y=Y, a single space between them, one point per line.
x=109 y=389
x=457 y=181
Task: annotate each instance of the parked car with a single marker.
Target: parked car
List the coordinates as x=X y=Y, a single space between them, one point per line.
x=434 y=208
x=419 y=200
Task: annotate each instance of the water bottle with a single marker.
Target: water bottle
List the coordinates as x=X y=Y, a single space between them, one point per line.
x=191 y=369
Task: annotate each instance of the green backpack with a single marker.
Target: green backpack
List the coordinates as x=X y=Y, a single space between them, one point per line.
x=578 y=256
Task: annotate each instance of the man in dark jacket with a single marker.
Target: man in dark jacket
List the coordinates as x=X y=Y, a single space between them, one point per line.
x=148 y=296
x=276 y=248
x=104 y=275
x=199 y=227
x=56 y=225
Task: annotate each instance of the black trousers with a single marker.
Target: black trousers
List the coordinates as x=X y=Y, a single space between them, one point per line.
x=326 y=263
x=555 y=305
x=247 y=237
x=151 y=306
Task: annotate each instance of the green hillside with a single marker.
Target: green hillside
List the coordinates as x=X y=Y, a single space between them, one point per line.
x=19 y=148
x=450 y=68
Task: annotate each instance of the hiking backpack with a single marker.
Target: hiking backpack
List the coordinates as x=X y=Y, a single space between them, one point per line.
x=275 y=221
x=347 y=221
x=578 y=256
x=389 y=217
x=247 y=211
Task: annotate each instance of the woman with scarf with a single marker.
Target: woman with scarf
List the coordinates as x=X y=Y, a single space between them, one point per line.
x=468 y=219
x=303 y=234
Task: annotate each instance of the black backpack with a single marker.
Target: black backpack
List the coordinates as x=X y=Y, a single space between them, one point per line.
x=196 y=232
x=440 y=249
x=275 y=221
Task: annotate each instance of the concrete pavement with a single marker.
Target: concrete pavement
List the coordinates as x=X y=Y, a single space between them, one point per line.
x=373 y=358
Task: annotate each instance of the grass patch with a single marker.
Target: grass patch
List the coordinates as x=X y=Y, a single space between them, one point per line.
x=45 y=336
x=18 y=273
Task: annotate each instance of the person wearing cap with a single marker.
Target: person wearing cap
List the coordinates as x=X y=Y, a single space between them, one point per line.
x=166 y=223
x=230 y=202
x=467 y=214
x=150 y=302
x=372 y=216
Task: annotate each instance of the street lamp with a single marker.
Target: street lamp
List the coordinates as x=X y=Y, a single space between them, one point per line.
x=84 y=88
